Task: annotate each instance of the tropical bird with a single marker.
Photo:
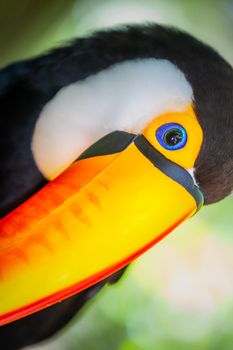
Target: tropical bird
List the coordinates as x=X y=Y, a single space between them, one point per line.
x=114 y=83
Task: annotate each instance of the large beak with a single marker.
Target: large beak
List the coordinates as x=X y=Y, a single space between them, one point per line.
x=117 y=200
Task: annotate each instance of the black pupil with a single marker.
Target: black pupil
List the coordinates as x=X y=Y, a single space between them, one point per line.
x=172 y=137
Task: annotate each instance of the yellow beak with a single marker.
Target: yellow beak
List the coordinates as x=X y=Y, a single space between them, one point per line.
x=121 y=197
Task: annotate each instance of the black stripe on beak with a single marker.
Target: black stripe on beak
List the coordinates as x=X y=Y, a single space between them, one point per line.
x=169 y=168
x=112 y=143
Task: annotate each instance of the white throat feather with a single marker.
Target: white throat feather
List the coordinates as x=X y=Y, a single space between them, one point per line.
x=125 y=96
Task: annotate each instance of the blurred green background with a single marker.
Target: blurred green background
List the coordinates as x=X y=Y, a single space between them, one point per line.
x=180 y=294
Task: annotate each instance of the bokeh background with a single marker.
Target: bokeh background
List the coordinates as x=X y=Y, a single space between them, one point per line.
x=179 y=295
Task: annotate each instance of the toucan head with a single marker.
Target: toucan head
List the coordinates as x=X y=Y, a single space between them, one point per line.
x=126 y=78
x=137 y=136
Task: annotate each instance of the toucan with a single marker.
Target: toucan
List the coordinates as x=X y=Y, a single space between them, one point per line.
x=107 y=144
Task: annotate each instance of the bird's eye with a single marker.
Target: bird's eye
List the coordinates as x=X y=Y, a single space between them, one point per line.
x=171 y=136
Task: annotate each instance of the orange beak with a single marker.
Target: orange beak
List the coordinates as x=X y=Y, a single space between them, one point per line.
x=117 y=200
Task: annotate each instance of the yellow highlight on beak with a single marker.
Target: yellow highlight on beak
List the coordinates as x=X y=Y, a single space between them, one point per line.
x=92 y=220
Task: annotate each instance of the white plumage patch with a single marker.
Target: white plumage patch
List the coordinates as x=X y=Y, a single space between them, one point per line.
x=125 y=96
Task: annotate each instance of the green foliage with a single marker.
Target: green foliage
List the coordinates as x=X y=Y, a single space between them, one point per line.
x=137 y=313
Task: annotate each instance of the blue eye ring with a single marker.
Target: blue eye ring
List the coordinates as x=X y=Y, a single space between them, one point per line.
x=171 y=136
